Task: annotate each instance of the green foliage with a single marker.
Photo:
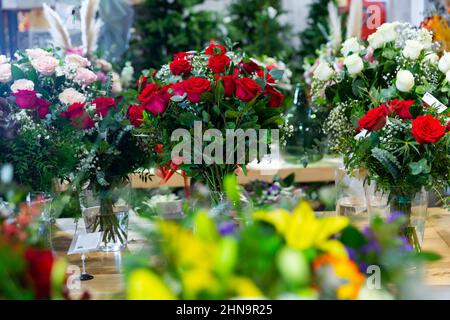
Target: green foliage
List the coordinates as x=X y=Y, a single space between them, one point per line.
x=255 y=24
x=165 y=27
x=316 y=33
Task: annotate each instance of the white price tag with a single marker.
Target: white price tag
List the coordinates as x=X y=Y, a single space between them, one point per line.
x=362 y=134
x=430 y=100
x=83 y=243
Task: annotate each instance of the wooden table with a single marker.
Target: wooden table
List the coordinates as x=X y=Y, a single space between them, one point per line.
x=109 y=283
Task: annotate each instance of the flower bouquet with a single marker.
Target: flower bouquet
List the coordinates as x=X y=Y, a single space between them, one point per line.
x=203 y=99
x=35 y=88
x=388 y=114
x=277 y=255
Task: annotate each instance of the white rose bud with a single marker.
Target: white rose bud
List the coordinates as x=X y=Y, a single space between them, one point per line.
x=431 y=58
x=323 y=72
x=444 y=63
x=412 y=49
x=354 y=64
x=351 y=46
x=405 y=81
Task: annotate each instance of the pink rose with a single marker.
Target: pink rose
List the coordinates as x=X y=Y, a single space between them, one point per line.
x=45 y=65
x=22 y=84
x=26 y=99
x=85 y=76
x=5 y=73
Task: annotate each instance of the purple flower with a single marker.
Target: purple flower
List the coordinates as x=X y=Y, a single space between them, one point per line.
x=273 y=189
x=227 y=228
x=406 y=246
x=394 y=216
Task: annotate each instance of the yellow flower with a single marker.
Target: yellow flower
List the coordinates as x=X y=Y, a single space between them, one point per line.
x=196 y=281
x=244 y=288
x=145 y=285
x=302 y=230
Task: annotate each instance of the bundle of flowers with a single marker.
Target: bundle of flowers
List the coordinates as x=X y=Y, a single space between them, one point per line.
x=278 y=255
x=36 y=87
x=389 y=116
x=28 y=270
x=213 y=91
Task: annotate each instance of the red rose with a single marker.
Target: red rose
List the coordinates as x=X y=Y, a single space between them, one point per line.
x=215 y=49
x=374 y=119
x=448 y=126
x=102 y=105
x=154 y=100
x=275 y=97
x=39 y=269
x=136 y=115
x=195 y=86
x=180 y=67
x=26 y=99
x=78 y=116
x=249 y=67
x=42 y=107
x=181 y=55
x=229 y=84
x=218 y=63
x=247 y=89
x=401 y=108
x=427 y=129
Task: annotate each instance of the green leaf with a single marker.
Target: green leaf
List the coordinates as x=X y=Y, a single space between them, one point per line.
x=231 y=188
x=429 y=256
x=352 y=237
x=389 y=161
x=358 y=87
x=17 y=73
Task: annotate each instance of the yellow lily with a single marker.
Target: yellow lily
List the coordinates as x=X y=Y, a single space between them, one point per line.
x=301 y=229
x=145 y=285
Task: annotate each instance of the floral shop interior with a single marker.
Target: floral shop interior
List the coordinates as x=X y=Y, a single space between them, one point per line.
x=264 y=150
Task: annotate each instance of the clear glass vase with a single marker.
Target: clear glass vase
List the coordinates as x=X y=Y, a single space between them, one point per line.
x=108 y=213
x=43 y=201
x=350 y=196
x=413 y=206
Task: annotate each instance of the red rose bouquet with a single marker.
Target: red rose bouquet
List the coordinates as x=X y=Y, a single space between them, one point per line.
x=389 y=114
x=202 y=97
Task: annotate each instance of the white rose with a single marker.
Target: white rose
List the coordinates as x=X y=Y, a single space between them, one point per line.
x=45 y=65
x=375 y=40
x=354 y=64
x=70 y=96
x=385 y=33
x=405 y=81
x=447 y=77
x=37 y=53
x=5 y=73
x=444 y=63
x=323 y=72
x=389 y=32
x=77 y=61
x=412 y=49
x=431 y=58
x=3 y=59
x=116 y=84
x=22 y=84
x=351 y=46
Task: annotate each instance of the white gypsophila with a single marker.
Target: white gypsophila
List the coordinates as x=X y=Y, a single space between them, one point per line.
x=338 y=126
x=126 y=75
x=407 y=32
x=389 y=132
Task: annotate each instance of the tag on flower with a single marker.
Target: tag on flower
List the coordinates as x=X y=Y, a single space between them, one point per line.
x=430 y=100
x=361 y=135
